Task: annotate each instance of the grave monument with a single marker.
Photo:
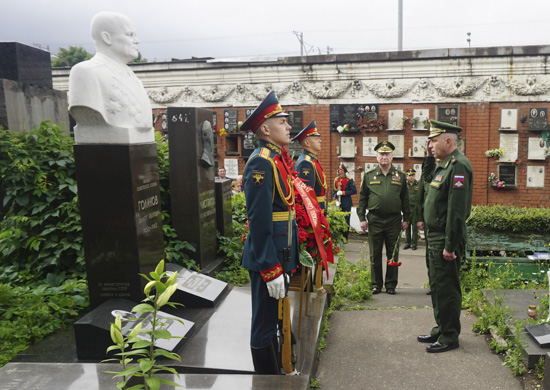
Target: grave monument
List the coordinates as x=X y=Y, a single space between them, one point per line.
x=116 y=164
x=26 y=94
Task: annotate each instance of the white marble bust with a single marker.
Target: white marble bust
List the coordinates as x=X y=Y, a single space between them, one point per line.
x=106 y=99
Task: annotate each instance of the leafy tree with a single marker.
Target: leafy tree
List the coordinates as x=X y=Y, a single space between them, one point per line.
x=139 y=59
x=71 y=56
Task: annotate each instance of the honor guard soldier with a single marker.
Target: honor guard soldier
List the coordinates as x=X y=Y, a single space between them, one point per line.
x=309 y=169
x=343 y=189
x=308 y=166
x=446 y=209
x=414 y=189
x=384 y=194
x=269 y=197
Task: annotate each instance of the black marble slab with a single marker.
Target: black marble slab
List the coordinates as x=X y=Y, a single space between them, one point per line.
x=26 y=64
x=119 y=197
x=224 y=209
x=196 y=289
x=219 y=342
x=91 y=376
x=92 y=332
x=193 y=203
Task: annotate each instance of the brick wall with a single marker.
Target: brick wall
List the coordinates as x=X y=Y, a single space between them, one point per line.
x=480 y=123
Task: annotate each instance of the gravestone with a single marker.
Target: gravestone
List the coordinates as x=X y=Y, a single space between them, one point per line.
x=538 y=118
x=193 y=201
x=119 y=196
x=224 y=210
x=92 y=332
x=26 y=94
x=196 y=289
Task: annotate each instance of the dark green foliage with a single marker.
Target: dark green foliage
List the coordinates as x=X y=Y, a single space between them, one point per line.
x=510 y=219
x=40 y=222
x=70 y=57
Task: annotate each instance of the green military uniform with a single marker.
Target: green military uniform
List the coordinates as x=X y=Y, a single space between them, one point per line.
x=412 y=231
x=419 y=209
x=387 y=200
x=447 y=206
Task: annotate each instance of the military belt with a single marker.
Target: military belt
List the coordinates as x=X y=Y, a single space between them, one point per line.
x=282 y=215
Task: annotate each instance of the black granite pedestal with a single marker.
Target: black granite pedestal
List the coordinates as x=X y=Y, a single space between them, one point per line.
x=119 y=200
x=224 y=210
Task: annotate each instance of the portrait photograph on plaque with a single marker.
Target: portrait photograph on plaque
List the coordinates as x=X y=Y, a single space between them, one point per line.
x=448 y=114
x=538 y=119
x=345 y=114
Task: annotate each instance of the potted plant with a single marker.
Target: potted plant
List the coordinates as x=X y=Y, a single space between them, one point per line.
x=496 y=153
x=495 y=182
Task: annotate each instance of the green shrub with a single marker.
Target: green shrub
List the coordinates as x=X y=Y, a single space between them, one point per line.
x=510 y=219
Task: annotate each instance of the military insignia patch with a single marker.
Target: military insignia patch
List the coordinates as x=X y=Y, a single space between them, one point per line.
x=396 y=178
x=258 y=177
x=306 y=171
x=438 y=178
x=458 y=181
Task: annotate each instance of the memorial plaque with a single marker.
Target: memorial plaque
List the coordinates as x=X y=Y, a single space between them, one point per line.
x=368 y=146
x=369 y=166
x=395 y=120
x=192 y=181
x=535 y=176
x=296 y=121
x=418 y=169
x=231 y=166
x=119 y=198
x=538 y=119
x=419 y=146
x=507 y=174
x=224 y=209
x=399 y=166
x=195 y=289
x=92 y=332
x=247 y=144
x=350 y=166
x=344 y=114
x=540 y=333
x=448 y=114
x=536 y=149
x=347 y=147
x=422 y=114
x=508 y=119
x=230 y=120
x=509 y=144
x=399 y=142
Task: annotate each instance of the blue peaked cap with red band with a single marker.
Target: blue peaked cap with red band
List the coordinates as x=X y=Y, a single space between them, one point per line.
x=269 y=108
x=308 y=131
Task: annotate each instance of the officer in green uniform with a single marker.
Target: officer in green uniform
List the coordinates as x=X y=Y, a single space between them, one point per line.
x=414 y=189
x=447 y=207
x=419 y=209
x=385 y=196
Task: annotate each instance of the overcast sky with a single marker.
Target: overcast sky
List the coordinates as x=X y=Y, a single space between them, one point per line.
x=215 y=28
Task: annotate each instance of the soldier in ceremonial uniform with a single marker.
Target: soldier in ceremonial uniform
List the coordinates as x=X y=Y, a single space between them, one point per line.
x=308 y=166
x=414 y=188
x=309 y=169
x=343 y=189
x=269 y=204
x=447 y=206
x=385 y=196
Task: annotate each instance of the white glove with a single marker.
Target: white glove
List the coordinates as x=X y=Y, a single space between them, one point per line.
x=337 y=204
x=339 y=193
x=276 y=287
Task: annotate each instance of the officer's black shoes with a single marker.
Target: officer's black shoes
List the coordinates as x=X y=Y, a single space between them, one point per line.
x=390 y=291
x=439 y=347
x=265 y=360
x=406 y=246
x=426 y=338
x=376 y=290
x=414 y=248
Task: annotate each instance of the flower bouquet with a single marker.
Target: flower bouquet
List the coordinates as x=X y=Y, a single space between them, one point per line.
x=395 y=254
x=341 y=129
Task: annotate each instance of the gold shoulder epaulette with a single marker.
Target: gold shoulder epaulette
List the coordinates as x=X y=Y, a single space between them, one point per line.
x=453 y=160
x=265 y=153
x=370 y=170
x=308 y=158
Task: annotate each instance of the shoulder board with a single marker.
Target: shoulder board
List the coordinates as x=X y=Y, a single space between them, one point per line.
x=453 y=160
x=308 y=158
x=370 y=170
x=265 y=153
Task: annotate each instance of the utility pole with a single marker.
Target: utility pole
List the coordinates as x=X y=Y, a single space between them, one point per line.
x=399 y=25
x=469 y=40
x=300 y=36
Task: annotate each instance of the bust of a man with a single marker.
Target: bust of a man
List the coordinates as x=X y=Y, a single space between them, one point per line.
x=106 y=99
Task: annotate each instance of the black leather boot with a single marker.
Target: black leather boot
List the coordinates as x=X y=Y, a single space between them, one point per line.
x=265 y=360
